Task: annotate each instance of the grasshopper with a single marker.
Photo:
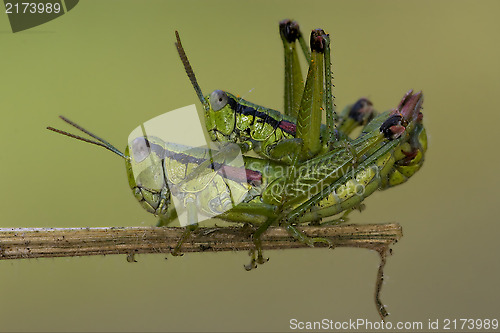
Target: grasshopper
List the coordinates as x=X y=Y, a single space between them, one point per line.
x=298 y=133
x=389 y=152
x=303 y=190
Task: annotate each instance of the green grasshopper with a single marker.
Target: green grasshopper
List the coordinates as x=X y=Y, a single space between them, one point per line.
x=287 y=195
x=270 y=133
x=388 y=152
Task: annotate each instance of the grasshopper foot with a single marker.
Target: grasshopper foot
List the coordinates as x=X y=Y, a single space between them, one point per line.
x=254 y=262
x=131 y=257
x=261 y=260
x=251 y=265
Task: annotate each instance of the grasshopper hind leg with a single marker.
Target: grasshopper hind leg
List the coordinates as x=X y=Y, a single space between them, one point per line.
x=294 y=84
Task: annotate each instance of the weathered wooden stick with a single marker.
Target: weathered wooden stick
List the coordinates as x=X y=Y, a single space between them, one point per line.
x=23 y=243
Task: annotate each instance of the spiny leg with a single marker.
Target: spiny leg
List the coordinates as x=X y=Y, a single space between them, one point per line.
x=331 y=115
x=294 y=83
x=305 y=103
x=313 y=97
x=310 y=111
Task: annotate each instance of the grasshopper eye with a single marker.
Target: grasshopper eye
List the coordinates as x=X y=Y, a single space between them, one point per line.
x=140 y=149
x=218 y=100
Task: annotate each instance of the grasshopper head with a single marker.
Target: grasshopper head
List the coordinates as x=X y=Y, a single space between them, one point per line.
x=219 y=116
x=145 y=172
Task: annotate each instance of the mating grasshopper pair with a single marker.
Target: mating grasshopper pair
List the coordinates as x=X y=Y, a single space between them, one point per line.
x=307 y=172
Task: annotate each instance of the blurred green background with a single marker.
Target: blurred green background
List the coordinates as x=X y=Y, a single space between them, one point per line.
x=110 y=65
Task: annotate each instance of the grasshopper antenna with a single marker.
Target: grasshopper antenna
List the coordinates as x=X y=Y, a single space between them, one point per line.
x=189 y=69
x=100 y=142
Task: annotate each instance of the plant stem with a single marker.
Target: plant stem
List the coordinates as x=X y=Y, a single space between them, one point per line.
x=24 y=243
